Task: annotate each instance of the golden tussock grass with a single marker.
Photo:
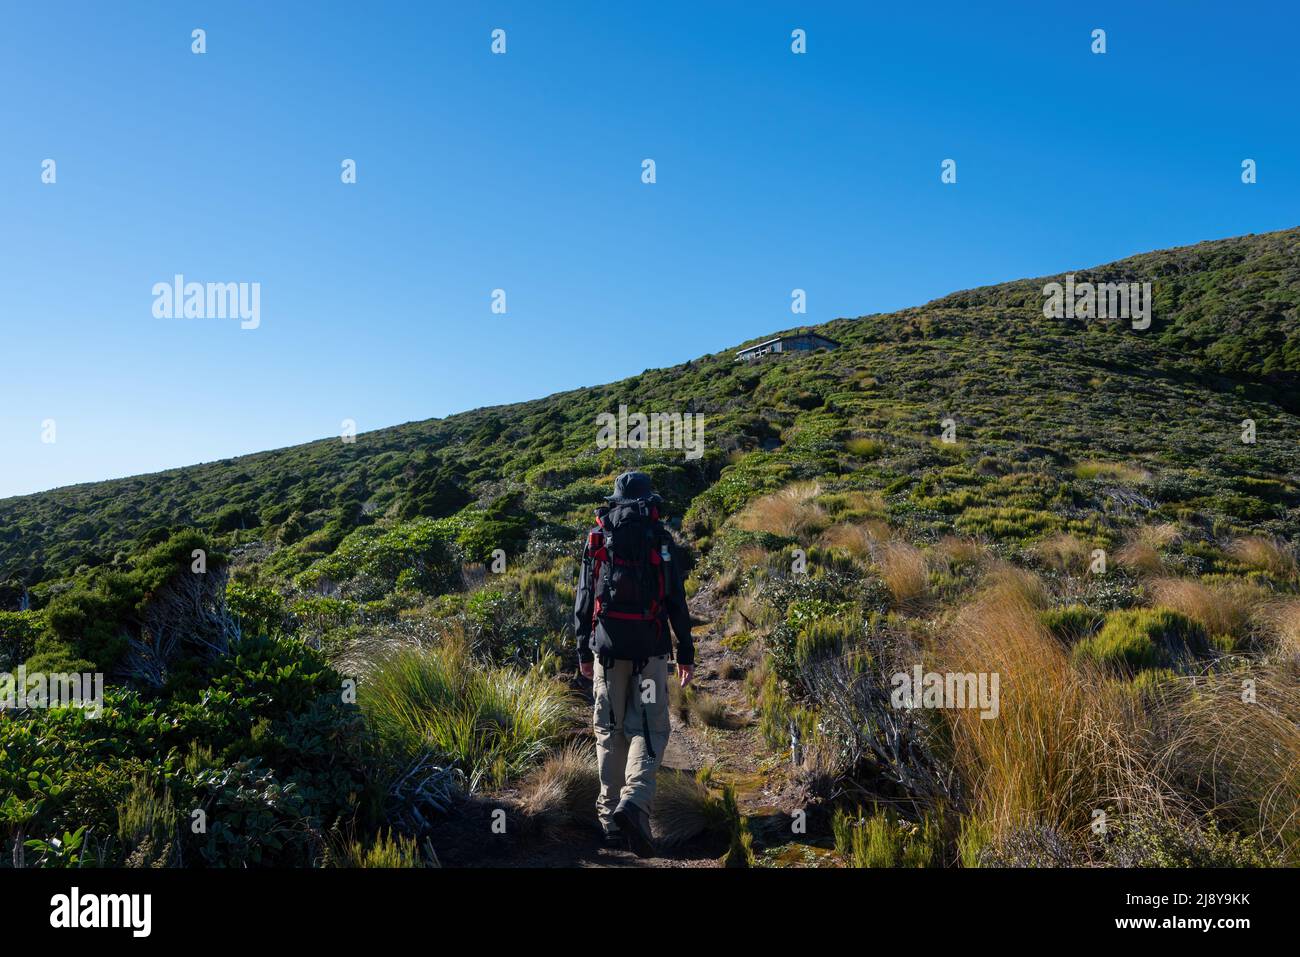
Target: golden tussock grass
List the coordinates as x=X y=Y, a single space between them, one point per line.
x=791 y=512
x=1140 y=557
x=858 y=540
x=1020 y=582
x=1238 y=754
x=902 y=567
x=564 y=789
x=684 y=808
x=1223 y=608
x=961 y=551
x=708 y=710
x=1282 y=619
x=1159 y=536
x=1064 y=553
x=1063 y=741
x=1265 y=554
x=1112 y=472
x=1141 y=549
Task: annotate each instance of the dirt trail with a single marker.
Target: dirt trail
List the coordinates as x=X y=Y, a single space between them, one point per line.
x=732 y=748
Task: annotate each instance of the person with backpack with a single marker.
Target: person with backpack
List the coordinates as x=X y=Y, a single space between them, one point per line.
x=630 y=590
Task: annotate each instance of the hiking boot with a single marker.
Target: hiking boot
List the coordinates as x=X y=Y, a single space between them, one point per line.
x=612 y=837
x=635 y=825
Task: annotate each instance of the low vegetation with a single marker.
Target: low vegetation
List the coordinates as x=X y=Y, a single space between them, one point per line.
x=334 y=654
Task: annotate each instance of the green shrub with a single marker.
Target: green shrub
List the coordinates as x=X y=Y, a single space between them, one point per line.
x=19 y=632
x=882 y=840
x=385 y=851
x=1073 y=623
x=368 y=562
x=285 y=759
x=1153 y=840
x=258 y=610
x=864 y=448
x=1134 y=640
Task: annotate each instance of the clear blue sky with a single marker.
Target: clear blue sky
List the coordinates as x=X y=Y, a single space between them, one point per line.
x=522 y=172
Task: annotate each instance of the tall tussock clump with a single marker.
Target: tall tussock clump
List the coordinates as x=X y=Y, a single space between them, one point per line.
x=1265 y=554
x=562 y=792
x=1231 y=743
x=1063 y=740
x=902 y=567
x=1224 y=608
x=1283 y=621
x=684 y=808
x=854 y=539
x=791 y=512
x=491 y=722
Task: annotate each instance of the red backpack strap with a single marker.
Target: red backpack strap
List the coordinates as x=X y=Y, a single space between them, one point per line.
x=596 y=548
x=657 y=560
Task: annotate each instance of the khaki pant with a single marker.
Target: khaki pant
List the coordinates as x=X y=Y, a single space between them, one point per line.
x=627 y=769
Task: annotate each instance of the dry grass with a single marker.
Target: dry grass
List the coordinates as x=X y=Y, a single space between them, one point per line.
x=791 y=512
x=1282 y=619
x=1239 y=758
x=858 y=540
x=1141 y=557
x=731 y=579
x=1224 y=608
x=746 y=613
x=752 y=556
x=1141 y=549
x=708 y=710
x=1264 y=554
x=563 y=790
x=902 y=567
x=683 y=808
x=961 y=551
x=1159 y=536
x=1062 y=743
x=1112 y=472
x=679 y=701
x=727 y=580
x=729 y=670
x=1024 y=584
x=1064 y=553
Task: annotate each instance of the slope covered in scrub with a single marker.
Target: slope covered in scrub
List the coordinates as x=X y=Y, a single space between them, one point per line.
x=1104 y=517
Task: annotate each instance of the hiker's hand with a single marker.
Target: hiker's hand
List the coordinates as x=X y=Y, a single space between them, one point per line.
x=685 y=673
x=588 y=670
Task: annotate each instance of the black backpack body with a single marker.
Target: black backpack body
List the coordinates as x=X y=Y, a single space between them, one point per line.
x=628 y=580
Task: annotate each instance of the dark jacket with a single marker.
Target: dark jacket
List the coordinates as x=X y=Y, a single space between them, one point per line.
x=675 y=611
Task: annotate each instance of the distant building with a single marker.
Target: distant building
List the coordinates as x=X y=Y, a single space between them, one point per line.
x=794 y=342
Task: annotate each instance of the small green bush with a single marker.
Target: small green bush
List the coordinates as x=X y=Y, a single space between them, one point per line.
x=882 y=840
x=1073 y=623
x=1134 y=640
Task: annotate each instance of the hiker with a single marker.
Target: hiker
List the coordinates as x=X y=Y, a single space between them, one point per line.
x=629 y=590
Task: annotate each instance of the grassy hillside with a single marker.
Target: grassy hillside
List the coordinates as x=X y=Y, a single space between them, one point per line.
x=1225 y=310
x=1068 y=439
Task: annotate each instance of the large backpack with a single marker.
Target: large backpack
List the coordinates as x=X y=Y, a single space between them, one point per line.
x=628 y=578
